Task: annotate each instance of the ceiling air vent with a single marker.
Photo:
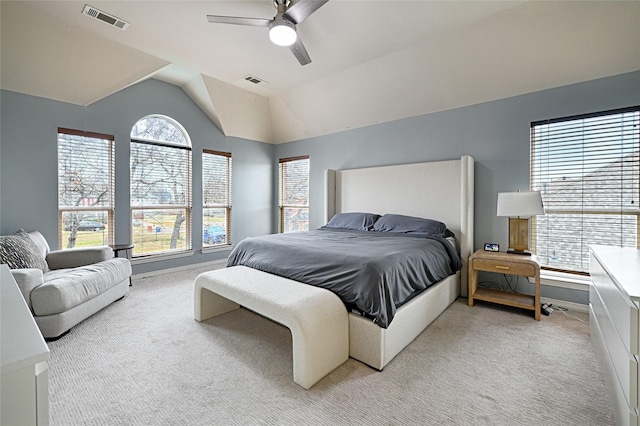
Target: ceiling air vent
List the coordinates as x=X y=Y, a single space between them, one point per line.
x=105 y=17
x=255 y=80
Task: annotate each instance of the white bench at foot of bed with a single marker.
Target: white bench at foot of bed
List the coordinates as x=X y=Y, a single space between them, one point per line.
x=316 y=317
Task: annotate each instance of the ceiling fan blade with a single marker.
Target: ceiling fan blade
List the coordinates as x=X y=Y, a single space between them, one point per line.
x=236 y=20
x=302 y=9
x=300 y=52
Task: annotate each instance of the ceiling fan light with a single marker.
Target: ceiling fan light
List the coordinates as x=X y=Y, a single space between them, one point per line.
x=282 y=33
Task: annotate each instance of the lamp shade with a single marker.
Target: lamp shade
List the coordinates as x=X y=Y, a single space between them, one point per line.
x=520 y=203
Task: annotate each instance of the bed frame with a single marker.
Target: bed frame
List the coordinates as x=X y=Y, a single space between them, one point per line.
x=441 y=190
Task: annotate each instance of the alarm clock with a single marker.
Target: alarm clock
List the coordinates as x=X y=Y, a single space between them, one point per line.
x=491 y=247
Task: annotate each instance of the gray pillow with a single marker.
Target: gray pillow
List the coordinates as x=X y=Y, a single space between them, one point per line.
x=356 y=221
x=18 y=251
x=410 y=225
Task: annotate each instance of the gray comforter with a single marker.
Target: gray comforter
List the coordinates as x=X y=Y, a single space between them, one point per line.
x=375 y=272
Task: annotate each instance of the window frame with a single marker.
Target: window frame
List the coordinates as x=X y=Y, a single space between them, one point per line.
x=188 y=181
x=588 y=208
x=282 y=206
x=109 y=208
x=226 y=206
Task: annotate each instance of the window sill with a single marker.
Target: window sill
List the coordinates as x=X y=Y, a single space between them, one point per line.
x=160 y=256
x=214 y=249
x=564 y=280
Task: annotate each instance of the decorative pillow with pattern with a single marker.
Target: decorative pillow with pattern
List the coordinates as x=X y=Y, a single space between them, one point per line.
x=18 y=251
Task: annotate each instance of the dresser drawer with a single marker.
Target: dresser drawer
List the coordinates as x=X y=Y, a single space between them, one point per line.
x=504 y=267
x=623 y=313
x=624 y=364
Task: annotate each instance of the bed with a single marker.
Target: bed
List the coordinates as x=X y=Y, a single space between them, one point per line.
x=441 y=191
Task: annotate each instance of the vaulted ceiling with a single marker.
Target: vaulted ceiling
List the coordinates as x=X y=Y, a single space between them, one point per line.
x=372 y=61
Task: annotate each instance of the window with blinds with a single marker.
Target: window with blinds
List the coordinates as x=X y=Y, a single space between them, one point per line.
x=216 y=198
x=587 y=169
x=294 y=194
x=160 y=166
x=85 y=188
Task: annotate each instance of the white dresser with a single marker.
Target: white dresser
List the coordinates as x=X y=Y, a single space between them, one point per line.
x=24 y=392
x=614 y=307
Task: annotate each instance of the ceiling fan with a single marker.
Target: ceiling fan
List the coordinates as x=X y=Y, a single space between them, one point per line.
x=282 y=28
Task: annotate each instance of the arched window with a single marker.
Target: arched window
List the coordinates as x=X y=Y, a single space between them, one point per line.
x=160 y=186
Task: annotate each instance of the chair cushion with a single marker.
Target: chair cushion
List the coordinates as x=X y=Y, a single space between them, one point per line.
x=19 y=251
x=64 y=289
x=40 y=242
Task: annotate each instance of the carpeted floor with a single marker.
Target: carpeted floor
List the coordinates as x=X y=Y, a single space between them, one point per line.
x=145 y=361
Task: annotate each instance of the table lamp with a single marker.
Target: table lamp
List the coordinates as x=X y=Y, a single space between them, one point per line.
x=518 y=206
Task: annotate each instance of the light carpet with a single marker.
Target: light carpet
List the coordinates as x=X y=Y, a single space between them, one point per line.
x=145 y=361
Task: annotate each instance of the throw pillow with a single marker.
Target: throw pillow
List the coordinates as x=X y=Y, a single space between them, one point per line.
x=19 y=252
x=357 y=221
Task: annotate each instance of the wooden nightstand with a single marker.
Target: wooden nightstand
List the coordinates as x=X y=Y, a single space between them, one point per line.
x=504 y=263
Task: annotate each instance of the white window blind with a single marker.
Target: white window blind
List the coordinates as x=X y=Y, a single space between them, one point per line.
x=216 y=198
x=160 y=175
x=294 y=194
x=587 y=169
x=160 y=166
x=85 y=188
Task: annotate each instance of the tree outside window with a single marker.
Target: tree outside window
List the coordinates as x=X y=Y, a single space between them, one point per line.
x=85 y=188
x=160 y=163
x=216 y=198
x=294 y=194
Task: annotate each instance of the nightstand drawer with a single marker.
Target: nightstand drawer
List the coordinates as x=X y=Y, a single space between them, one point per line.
x=504 y=267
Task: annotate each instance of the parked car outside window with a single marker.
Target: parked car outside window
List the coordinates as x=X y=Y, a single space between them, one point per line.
x=87 y=225
x=214 y=234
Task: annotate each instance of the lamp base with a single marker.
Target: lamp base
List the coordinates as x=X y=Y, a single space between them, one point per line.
x=519 y=252
x=519 y=236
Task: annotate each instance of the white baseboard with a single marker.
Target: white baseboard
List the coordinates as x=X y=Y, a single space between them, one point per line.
x=220 y=263
x=572 y=306
x=563 y=280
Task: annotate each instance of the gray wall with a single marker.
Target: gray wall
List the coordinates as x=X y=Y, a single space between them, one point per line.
x=28 y=162
x=495 y=133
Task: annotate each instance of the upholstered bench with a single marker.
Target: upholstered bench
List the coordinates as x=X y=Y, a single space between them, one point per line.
x=316 y=317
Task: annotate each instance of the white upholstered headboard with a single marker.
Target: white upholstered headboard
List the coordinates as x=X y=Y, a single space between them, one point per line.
x=440 y=190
